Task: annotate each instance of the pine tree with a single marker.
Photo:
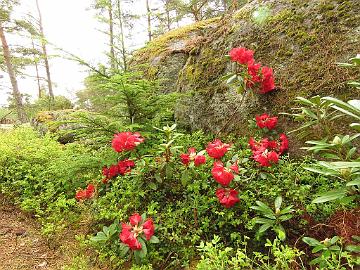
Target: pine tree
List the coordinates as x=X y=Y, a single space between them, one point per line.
x=5 y=10
x=44 y=51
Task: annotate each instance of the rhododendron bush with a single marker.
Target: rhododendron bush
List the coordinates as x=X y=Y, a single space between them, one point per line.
x=249 y=74
x=189 y=186
x=218 y=163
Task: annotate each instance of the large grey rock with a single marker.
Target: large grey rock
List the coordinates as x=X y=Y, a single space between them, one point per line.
x=300 y=40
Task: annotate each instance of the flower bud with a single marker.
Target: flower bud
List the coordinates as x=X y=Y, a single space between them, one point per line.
x=337 y=140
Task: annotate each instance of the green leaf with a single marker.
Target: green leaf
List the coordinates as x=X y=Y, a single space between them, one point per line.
x=345 y=165
x=355 y=182
x=169 y=171
x=185 y=178
x=321 y=170
x=355 y=126
x=353 y=248
x=287 y=210
x=153 y=186
x=304 y=101
x=334 y=248
x=124 y=249
x=259 y=220
x=280 y=231
x=278 y=202
x=263 y=228
x=158 y=178
x=285 y=217
x=330 y=196
x=264 y=208
x=318 y=248
x=311 y=241
x=143 y=251
x=154 y=239
x=310 y=113
x=334 y=239
x=100 y=237
x=231 y=79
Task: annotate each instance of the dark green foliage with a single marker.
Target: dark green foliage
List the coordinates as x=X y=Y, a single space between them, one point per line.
x=128 y=98
x=42 y=175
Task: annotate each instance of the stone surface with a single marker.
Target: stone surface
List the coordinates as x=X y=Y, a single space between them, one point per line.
x=300 y=40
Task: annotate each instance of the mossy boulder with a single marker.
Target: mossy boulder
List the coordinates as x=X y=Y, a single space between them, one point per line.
x=301 y=40
x=56 y=122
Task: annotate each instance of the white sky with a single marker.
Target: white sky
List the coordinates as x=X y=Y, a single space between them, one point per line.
x=72 y=26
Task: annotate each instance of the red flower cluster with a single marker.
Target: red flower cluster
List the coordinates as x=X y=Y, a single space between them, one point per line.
x=257 y=74
x=242 y=55
x=284 y=143
x=84 y=194
x=265 y=121
x=217 y=149
x=267 y=152
x=267 y=82
x=130 y=232
x=121 y=168
x=227 y=197
x=126 y=141
x=192 y=156
x=224 y=175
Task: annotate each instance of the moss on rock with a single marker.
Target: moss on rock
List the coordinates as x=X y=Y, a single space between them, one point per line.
x=300 y=40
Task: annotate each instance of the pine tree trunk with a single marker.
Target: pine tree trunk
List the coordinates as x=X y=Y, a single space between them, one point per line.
x=46 y=60
x=16 y=93
x=149 y=19
x=111 y=35
x=168 y=16
x=122 y=36
x=37 y=70
x=225 y=5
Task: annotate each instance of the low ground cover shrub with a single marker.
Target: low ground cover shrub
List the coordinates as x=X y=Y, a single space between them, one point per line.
x=190 y=187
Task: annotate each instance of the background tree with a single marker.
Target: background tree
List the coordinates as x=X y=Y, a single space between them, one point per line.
x=44 y=51
x=148 y=18
x=6 y=7
x=120 y=17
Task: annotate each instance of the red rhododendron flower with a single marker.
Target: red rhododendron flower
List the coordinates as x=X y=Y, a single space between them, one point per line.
x=259 y=146
x=105 y=171
x=217 y=149
x=105 y=181
x=130 y=232
x=185 y=159
x=227 y=197
x=241 y=55
x=273 y=145
x=148 y=228
x=135 y=219
x=253 y=70
x=235 y=167
x=221 y=174
x=125 y=166
x=126 y=141
x=284 y=143
x=199 y=159
x=84 y=194
x=121 y=168
x=266 y=158
x=267 y=82
x=80 y=195
x=192 y=156
x=265 y=121
x=113 y=171
x=129 y=238
x=90 y=190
